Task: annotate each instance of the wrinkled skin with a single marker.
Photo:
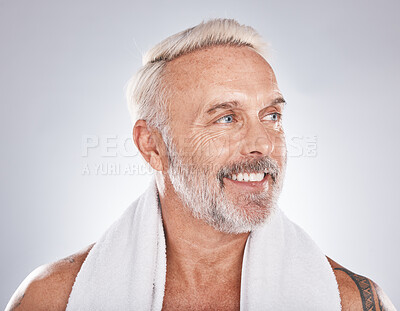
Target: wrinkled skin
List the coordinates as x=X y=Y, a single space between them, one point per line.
x=225 y=111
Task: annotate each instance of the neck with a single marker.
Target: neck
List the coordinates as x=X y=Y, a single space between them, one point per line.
x=196 y=252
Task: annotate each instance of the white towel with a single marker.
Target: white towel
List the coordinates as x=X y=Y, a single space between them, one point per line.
x=282 y=269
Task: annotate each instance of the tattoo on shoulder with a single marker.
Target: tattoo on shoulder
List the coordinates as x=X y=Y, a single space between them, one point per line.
x=365 y=288
x=383 y=300
x=377 y=290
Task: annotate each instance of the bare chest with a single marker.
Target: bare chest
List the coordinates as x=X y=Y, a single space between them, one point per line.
x=179 y=296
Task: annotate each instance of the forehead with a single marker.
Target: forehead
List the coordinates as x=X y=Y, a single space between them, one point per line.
x=218 y=73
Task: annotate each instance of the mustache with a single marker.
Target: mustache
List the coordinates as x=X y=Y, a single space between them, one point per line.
x=263 y=164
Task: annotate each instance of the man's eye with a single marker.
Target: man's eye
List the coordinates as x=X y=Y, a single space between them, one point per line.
x=272 y=116
x=226 y=119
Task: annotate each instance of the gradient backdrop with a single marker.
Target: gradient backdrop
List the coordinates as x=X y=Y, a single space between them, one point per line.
x=68 y=168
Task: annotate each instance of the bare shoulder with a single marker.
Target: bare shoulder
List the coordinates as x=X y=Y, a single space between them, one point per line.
x=49 y=286
x=358 y=292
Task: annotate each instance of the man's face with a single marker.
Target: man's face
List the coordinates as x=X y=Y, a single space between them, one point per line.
x=227 y=151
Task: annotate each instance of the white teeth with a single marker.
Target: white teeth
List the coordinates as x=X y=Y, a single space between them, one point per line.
x=248 y=177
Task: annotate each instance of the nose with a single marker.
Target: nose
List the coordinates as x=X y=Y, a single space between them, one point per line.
x=256 y=140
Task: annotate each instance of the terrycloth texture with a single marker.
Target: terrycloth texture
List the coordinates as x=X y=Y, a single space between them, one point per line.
x=283 y=269
x=125 y=269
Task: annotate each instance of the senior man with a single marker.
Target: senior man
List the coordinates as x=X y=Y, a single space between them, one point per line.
x=207 y=234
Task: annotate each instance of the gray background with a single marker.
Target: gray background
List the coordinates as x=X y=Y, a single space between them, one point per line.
x=63 y=67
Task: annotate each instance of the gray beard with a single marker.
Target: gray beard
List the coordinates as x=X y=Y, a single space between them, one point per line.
x=205 y=196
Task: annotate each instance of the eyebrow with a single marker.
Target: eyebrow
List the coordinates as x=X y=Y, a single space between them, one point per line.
x=278 y=100
x=225 y=105
x=275 y=102
x=234 y=104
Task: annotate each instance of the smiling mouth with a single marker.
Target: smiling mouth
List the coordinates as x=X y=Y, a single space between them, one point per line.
x=248 y=176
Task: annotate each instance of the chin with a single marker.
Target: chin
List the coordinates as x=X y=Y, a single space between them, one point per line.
x=239 y=218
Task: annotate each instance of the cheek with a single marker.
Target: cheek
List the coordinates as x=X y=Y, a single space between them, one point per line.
x=212 y=147
x=209 y=146
x=279 y=152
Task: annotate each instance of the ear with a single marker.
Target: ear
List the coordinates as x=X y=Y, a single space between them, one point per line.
x=147 y=141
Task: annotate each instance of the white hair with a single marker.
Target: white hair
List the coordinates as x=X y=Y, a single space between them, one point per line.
x=147 y=94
